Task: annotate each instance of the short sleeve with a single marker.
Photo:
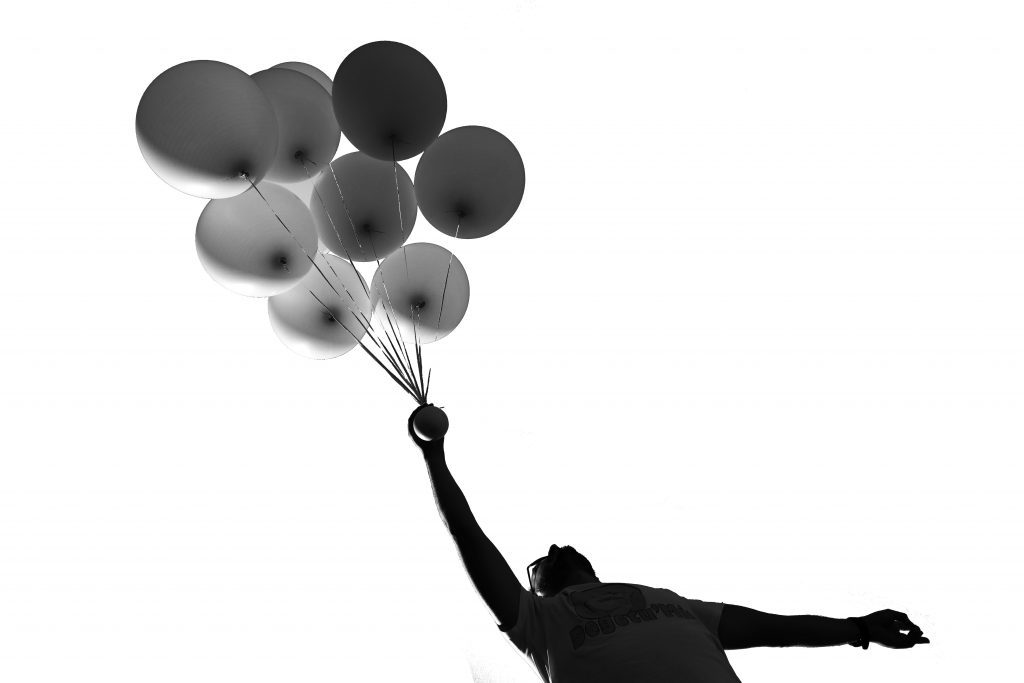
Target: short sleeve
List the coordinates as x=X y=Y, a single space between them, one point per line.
x=528 y=622
x=709 y=613
x=529 y=633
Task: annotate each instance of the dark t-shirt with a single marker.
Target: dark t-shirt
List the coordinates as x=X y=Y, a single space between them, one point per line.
x=621 y=633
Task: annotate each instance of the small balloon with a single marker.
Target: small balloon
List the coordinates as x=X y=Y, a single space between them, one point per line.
x=308 y=69
x=425 y=287
x=322 y=317
x=360 y=217
x=307 y=132
x=470 y=182
x=430 y=423
x=202 y=124
x=389 y=100
x=244 y=247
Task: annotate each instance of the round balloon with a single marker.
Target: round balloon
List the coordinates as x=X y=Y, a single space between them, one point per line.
x=201 y=125
x=425 y=287
x=356 y=207
x=307 y=132
x=243 y=246
x=389 y=100
x=308 y=69
x=470 y=182
x=320 y=317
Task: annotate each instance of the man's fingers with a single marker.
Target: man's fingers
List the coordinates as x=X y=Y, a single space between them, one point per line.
x=915 y=637
x=914 y=640
x=914 y=629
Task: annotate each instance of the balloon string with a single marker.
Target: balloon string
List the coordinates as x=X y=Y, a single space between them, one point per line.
x=405 y=257
x=369 y=333
x=398 y=381
x=326 y=279
x=345 y=205
x=451 y=255
x=387 y=297
x=408 y=369
x=368 y=328
x=398 y=200
x=288 y=230
x=341 y=195
x=335 y=228
x=419 y=352
x=396 y=360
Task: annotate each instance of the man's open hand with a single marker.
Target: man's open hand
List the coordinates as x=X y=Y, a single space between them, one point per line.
x=887 y=629
x=428 y=447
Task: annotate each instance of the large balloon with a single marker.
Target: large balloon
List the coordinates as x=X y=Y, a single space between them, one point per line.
x=416 y=286
x=389 y=100
x=202 y=124
x=470 y=181
x=308 y=69
x=362 y=220
x=331 y=326
x=244 y=247
x=307 y=132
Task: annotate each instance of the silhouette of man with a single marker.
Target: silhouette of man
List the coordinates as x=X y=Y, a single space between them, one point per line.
x=576 y=628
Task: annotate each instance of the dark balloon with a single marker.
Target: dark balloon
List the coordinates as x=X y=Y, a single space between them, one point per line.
x=417 y=286
x=307 y=132
x=389 y=100
x=311 y=71
x=201 y=124
x=470 y=181
x=361 y=221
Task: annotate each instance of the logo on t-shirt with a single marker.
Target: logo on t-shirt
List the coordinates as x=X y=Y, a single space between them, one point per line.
x=612 y=605
x=607 y=600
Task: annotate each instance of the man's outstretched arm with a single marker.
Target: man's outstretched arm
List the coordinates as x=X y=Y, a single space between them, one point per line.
x=490 y=573
x=742 y=627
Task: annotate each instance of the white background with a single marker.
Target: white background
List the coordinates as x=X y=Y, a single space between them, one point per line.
x=755 y=334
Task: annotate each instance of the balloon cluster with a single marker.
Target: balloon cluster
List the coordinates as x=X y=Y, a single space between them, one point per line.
x=288 y=221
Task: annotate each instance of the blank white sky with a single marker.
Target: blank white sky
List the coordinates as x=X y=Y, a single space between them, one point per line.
x=755 y=334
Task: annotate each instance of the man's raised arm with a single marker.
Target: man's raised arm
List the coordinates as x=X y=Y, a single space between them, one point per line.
x=488 y=570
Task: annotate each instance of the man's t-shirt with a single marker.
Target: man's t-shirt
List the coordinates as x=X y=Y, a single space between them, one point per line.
x=621 y=633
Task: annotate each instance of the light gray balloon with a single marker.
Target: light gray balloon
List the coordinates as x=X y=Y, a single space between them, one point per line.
x=244 y=247
x=361 y=221
x=310 y=70
x=306 y=128
x=411 y=285
x=201 y=124
x=328 y=329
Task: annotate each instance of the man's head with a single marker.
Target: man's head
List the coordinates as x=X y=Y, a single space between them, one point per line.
x=561 y=567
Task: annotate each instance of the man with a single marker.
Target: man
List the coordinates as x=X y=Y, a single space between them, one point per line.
x=577 y=629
